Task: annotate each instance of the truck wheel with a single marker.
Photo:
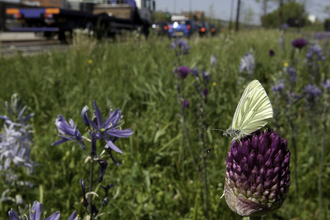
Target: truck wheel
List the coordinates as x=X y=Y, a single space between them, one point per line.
x=61 y=37
x=49 y=34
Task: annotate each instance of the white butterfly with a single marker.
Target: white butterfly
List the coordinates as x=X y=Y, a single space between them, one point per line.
x=252 y=113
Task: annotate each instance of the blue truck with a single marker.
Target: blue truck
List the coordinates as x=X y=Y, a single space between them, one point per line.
x=102 y=20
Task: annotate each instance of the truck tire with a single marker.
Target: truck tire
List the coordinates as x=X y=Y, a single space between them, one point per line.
x=102 y=29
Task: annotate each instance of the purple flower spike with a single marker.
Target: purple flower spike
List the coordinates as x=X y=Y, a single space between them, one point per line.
x=278 y=87
x=271 y=53
x=69 y=132
x=13 y=215
x=182 y=72
x=103 y=167
x=195 y=72
x=109 y=129
x=82 y=184
x=206 y=77
x=106 y=189
x=185 y=104
x=292 y=73
x=36 y=212
x=284 y=26
x=181 y=45
x=84 y=113
x=257 y=174
x=205 y=92
x=299 y=43
x=312 y=92
x=326 y=84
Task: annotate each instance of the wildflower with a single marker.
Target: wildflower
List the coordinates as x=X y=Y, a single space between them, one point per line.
x=69 y=132
x=185 y=104
x=36 y=212
x=279 y=86
x=206 y=77
x=213 y=60
x=106 y=189
x=271 y=53
x=315 y=51
x=109 y=129
x=285 y=64
x=103 y=167
x=292 y=73
x=257 y=174
x=182 y=45
x=293 y=97
x=182 y=71
x=284 y=26
x=326 y=84
x=214 y=83
x=299 y=43
x=90 y=61
x=205 y=91
x=195 y=72
x=247 y=63
x=312 y=92
x=82 y=184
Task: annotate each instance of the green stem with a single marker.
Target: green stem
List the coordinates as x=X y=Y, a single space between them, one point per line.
x=1 y=203
x=324 y=122
x=90 y=196
x=255 y=218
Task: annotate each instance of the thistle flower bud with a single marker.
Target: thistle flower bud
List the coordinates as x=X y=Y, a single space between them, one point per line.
x=257 y=174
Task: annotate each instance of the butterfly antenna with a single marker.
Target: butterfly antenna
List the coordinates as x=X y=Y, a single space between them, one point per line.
x=209 y=150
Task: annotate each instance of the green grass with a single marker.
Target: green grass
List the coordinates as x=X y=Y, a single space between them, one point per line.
x=156 y=180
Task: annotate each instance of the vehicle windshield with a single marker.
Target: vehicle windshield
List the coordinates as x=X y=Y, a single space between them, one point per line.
x=183 y=22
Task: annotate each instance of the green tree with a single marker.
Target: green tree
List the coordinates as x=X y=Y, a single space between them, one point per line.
x=289 y=10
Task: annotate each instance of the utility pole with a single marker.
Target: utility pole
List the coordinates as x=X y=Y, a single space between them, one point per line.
x=231 y=14
x=237 y=15
x=280 y=13
x=190 y=10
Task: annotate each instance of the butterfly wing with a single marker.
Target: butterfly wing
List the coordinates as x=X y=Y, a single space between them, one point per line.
x=253 y=110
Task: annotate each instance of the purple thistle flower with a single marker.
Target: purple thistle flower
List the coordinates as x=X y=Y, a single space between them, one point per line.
x=185 y=104
x=292 y=73
x=312 y=92
x=271 y=53
x=109 y=129
x=36 y=212
x=257 y=174
x=205 y=92
x=326 y=84
x=103 y=167
x=69 y=132
x=299 y=43
x=182 y=72
x=279 y=86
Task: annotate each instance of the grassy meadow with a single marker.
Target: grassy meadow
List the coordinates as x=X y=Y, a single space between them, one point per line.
x=157 y=179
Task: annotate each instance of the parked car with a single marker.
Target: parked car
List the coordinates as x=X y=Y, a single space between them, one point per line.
x=214 y=29
x=203 y=28
x=160 y=27
x=181 y=28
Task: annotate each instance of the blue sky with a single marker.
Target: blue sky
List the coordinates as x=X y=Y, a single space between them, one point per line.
x=221 y=8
